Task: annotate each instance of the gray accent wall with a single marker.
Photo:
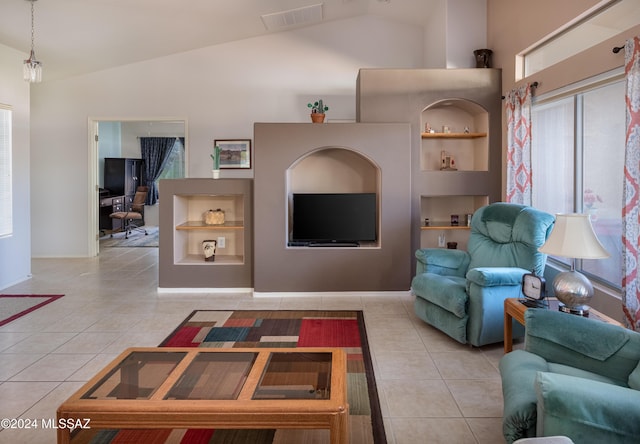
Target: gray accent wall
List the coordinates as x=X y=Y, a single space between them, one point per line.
x=401 y=95
x=279 y=149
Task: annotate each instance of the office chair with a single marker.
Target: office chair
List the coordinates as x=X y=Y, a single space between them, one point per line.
x=135 y=213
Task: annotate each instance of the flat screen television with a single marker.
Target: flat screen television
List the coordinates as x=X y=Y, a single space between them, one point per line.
x=334 y=217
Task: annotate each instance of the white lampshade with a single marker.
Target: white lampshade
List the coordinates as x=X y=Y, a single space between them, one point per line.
x=573 y=237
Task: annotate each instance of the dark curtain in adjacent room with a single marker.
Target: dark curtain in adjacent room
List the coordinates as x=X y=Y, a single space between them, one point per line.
x=155 y=153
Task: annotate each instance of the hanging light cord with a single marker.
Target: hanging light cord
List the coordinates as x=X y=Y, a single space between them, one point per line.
x=33 y=29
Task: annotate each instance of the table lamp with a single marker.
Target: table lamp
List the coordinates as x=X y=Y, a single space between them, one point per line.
x=573 y=237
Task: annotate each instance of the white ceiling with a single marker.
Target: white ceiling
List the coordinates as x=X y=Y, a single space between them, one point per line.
x=80 y=36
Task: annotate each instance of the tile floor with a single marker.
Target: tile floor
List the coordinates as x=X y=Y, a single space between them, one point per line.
x=432 y=389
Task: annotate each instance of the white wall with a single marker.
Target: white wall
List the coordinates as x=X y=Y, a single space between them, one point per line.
x=453 y=30
x=15 y=250
x=466 y=31
x=220 y=90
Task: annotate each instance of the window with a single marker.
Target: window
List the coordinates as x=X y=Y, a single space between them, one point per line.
x=6 y=196
x=577 y=164
x=605 y=20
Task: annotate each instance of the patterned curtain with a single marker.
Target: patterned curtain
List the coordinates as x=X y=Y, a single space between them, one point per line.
x=155 y=153
x=631 y=193
x=518 y=106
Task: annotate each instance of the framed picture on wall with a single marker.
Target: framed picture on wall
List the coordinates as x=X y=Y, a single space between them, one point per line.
x=234 y=153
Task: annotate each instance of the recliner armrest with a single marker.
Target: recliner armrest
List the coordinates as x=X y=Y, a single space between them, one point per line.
x=591 y=345
x=442 y=261
x=586 y=410
x=496 y=276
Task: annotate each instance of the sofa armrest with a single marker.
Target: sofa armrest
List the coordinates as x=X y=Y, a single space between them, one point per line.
x=442 y=261
x=496 y=276
x=585 y=410
x=587 y=344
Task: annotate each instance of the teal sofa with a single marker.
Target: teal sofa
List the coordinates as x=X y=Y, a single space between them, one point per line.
x=462 y=293
x=576 y=377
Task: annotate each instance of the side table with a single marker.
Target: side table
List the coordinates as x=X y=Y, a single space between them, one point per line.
x=514 y=308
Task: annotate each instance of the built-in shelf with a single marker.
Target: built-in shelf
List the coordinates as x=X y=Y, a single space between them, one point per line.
x=183 y=233
x=199 y=225
x=221 y=259
x=453 y=135
x=444 y=226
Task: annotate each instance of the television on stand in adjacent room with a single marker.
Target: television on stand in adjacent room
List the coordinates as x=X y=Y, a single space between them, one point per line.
x=333 y=219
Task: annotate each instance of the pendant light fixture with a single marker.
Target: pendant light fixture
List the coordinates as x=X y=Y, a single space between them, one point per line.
x=32 y=68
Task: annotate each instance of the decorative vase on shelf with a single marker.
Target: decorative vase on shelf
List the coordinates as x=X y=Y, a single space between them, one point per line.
x=317 y=117
x=216 y=174
x=209 y=249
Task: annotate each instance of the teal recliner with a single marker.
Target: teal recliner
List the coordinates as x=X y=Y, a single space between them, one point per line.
x=462 y=293
x=576 y=377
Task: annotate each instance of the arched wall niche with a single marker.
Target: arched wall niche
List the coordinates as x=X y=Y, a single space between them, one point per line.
x=455 y=116
x=333 y=170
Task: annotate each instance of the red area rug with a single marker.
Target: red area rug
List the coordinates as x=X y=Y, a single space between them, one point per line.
x=14 y=306
x=282 y=328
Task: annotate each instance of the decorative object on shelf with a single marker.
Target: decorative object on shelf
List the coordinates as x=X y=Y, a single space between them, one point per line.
x=455 y=220
x=209 y=248
x=466 y=130
x=483 y=58
x=447 y=162
x=446 y=129
x=234 y=153
x=426 y=221
x=468 y=219
x=317 y=111
x=573 y=237
x=427 y=128
x=212 y=217
x=32 y=68
x=534 y=289
x=216 y=162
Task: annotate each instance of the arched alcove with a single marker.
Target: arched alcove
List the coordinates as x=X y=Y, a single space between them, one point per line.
x=346 y=157
x=331 y=169
x=457 y=128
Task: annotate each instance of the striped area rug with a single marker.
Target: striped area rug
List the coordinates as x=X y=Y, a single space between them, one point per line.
x=281 y=328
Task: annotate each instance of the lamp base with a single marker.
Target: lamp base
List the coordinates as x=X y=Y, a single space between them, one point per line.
x=581 y=310
x=574 y=291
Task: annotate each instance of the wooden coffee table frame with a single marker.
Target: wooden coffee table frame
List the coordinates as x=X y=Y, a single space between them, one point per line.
x=241 y=413
x=514 y=309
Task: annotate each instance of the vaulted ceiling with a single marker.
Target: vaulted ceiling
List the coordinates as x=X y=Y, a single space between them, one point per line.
x=79 y=36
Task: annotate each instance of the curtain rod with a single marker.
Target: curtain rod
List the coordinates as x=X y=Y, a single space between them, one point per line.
x=533 y=85
x=617 y=49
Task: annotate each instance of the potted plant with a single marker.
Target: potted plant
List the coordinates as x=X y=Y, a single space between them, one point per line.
x=216 y=161
x=317 y=111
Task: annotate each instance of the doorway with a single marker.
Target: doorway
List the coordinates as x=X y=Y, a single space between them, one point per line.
x=121 y=138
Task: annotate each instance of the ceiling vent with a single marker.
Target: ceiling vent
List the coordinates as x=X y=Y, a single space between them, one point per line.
x=293 y=17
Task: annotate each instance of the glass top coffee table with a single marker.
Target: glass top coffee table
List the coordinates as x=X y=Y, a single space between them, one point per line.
x=241 y=388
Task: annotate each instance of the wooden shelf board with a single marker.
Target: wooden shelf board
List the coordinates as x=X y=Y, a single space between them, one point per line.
x=443 y=226
x=199 y=225
x=221 y=259
x=453 y=135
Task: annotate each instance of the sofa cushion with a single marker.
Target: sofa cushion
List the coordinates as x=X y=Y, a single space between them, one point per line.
x=634 y=378
x=579 y=373
x=518 y=370
x=447 y=292
x=586 y=411
x=604 y=347
x=496 y=276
